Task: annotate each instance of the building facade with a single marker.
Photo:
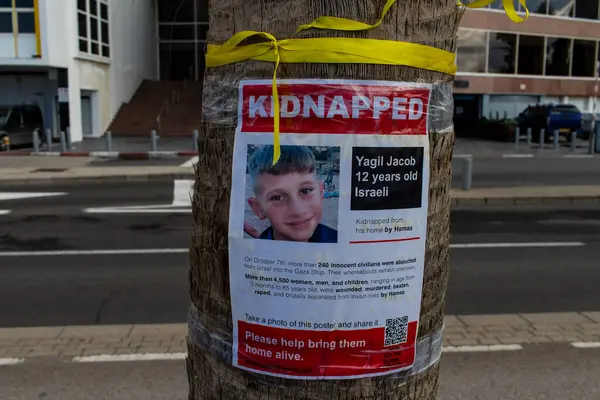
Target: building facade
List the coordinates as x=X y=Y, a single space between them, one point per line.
x=552 y=57
x=80 y=60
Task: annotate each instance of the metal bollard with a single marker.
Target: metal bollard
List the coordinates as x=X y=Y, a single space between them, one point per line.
x=467 y=180
x=63 y=142
x=196 y=136
x=573 y=141
x=517 y=137
x=556 y=139
x=69 y=144
x=49 y=139
x=108 y=139
x=529 y=137
x=154 y=140
x=36 y=141
x=542 y=138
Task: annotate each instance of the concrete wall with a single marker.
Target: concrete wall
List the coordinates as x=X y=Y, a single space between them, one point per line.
x=134 y=48
x=54 y=32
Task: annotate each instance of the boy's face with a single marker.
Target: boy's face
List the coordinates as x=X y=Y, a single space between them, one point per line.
x=291 y=202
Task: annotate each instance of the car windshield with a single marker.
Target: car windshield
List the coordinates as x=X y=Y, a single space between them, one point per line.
x=565 y=108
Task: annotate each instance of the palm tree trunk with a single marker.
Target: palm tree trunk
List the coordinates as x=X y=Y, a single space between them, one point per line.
x=432 y=22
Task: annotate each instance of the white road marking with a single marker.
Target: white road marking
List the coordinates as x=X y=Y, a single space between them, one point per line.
x=47 y=253
x=481 y=348
x=183 y=189
x=130 y=357
x=191 y=162
x=26 y=195
x=513 y=245
x=185 y=250
x=182 y=192
x=517 y=155
x=158 y=209
x=11 y=361
x=4 y=212
x=586 y=345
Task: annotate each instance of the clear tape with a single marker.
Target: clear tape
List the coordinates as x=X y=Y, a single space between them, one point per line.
x=220 y=105
x=428 y=348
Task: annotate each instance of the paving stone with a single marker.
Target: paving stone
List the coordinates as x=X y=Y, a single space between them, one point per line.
x=30 y=333
x=493 y=320
x=452 y=321
x=118 y=331
x=463 y=342
x=180 y=330
x=489 y=341
x=514 y=340
x=594 y=316
x=556 y=318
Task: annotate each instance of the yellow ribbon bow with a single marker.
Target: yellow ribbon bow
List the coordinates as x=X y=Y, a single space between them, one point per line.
x=339 y=50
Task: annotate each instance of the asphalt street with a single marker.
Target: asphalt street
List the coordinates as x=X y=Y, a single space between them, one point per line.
x=132 y=267
x=538 y=171
x=545 y=372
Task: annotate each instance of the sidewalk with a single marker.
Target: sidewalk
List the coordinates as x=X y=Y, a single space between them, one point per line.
x=462 y=332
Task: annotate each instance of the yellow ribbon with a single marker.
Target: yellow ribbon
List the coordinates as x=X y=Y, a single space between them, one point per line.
x=339 y=50
x=508 y=5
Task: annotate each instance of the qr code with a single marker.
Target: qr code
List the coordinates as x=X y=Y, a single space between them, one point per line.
x=396 y=331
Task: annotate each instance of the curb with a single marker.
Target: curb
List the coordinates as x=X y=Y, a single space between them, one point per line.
x=167 y=176
x=116 y=155
x=526 y=156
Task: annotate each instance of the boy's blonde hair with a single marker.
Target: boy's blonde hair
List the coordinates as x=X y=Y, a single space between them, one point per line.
x=294 y=159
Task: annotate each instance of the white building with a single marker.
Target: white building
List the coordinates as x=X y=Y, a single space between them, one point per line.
x=78 y=59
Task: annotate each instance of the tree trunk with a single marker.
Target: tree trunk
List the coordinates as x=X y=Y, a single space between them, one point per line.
x=432 y=22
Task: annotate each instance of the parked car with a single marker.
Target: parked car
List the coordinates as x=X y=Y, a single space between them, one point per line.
x=564 y=118
x=18 y=123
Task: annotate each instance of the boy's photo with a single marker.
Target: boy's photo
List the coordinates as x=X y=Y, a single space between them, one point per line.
x=297 y=198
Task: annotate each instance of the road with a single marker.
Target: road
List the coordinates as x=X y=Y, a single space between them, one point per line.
x=538 y=171
x=545 y=372
x=132 y=267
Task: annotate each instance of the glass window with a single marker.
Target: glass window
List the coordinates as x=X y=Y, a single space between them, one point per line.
x=104 y=11
x=176 y=11
x=471 y=50
x=83 y=45
x=24 y=3
x=26 y=22
x=561 y=8
x=584 y=53
x=176 y=32
x=104 y=31
x=93 y=28
x=558 y=51
x=95 y=49
x=105 y=51
x=202 y=11
x=531 y=55
x=94 y=7
x=201 y=31
x=6 y=25
x=82 y=25
x=502 y=53
x=537 y=6
x=82 y=5
x=587 y=9
x=5 y=3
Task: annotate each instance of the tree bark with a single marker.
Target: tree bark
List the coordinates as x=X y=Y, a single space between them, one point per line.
x=431 y=22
